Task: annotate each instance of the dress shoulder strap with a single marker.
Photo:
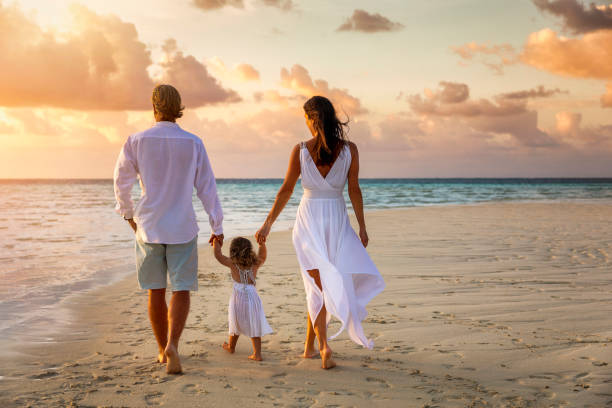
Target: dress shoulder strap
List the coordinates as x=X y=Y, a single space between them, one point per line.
x=302 y=145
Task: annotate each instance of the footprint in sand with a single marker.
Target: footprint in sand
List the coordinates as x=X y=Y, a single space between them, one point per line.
x=380 y=381
x=41 y=376
x=153 y=398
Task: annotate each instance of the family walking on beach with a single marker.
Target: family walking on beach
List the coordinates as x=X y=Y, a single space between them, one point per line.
x=339 y=277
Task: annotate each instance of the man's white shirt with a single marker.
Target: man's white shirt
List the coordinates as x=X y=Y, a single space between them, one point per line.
x=170 y=163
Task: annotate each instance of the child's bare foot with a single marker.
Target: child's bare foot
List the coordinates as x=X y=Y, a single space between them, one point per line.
x=310 y=353
x=256 y=357
x=326 y=359
x=228 y=348
x=161 y=358
x=174 y=362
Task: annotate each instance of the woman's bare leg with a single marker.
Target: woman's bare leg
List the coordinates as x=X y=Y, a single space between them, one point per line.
x=230 y=346
x=309 y=348
x=256 y=349
x=320 y=328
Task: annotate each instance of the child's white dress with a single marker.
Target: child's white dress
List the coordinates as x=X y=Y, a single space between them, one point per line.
x=245 y=313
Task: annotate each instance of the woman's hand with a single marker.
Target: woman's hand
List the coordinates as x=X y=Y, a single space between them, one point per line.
x=363 y=236
x=262 y=233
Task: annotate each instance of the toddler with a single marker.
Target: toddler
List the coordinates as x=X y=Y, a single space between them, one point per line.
x=245 y=314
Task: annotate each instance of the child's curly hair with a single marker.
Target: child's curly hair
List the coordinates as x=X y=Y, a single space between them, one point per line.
x=242 y=254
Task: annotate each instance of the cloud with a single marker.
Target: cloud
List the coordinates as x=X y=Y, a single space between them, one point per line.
x=191 y=78
x=537 y=92
x=449 y=101
x=577 y=18
x=298 y=80
x=606 y=99
x=569 y=129
x=241 y=72
x=589 y=56
x=208 y=5
x=276 y=98
x=365 y=22
x=495 y=57
x=285 y=5
x=100 y=64
x=501 y=116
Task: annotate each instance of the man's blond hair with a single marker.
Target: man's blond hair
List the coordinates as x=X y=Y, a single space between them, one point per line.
x=167 y=101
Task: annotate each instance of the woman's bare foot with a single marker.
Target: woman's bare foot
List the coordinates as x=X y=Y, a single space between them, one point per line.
x=326 y=359
x=174 y=362
x=256 y=357
x=228 y=348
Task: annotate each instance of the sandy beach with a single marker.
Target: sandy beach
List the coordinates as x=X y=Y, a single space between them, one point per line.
x=504 y=305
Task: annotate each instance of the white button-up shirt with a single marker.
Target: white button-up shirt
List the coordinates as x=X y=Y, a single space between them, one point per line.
x=170 y=162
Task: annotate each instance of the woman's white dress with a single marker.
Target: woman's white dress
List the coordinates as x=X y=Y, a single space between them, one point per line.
x=324 y=239
x=245 y=313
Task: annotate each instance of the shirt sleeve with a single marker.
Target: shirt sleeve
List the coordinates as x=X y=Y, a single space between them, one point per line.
x=206 y=189
x=125 y=175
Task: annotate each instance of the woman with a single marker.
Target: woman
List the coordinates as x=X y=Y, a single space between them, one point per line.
x=339 y=276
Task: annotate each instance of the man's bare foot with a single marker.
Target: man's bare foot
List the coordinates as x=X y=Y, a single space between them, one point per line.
x=256 y=357
x=161 y=358
x=310 y=354
x=326 y=359
x=174 y=362
x=227 y=347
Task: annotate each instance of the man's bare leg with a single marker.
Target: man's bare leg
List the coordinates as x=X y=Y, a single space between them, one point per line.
x=177 y=316
x=158 y=315
x=320 y=328
x=309 y=349
x=230 y=346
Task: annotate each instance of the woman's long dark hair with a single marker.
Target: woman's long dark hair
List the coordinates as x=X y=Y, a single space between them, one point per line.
x=330 y=133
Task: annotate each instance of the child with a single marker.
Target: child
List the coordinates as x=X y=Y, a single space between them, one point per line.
x=246 y=314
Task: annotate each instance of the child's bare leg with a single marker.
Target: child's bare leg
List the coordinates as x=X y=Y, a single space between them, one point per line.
x=309 y=349
x=256 y=349
x=230 y=346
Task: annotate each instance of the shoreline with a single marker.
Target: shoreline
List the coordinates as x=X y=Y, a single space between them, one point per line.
x=484 y=303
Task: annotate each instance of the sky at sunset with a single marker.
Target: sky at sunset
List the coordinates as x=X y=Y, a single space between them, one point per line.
x=441 y=88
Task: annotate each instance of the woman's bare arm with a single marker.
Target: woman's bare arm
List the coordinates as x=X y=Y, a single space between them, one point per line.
x=283 y=195
x=354 y=192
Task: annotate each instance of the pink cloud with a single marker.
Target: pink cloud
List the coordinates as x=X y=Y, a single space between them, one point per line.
x=100 y=64
x=299 y=80
x=495 y=57
x=365 y=22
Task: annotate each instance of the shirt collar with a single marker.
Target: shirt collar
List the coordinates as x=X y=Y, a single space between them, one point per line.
x=164 y=123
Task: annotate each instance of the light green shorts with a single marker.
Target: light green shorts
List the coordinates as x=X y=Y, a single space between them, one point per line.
x=155 y=262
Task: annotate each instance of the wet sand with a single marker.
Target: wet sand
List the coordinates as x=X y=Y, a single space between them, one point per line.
x=504 y=305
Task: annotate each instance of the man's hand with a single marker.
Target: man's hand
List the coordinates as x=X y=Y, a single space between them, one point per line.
x=214 y=237
x=132 y=224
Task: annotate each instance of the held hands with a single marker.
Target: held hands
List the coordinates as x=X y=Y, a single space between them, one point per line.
x=132 y=224
x=262 y=233
x=363 y=236
x=218 y=238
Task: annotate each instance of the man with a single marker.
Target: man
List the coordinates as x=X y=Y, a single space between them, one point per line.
x=169 y=162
